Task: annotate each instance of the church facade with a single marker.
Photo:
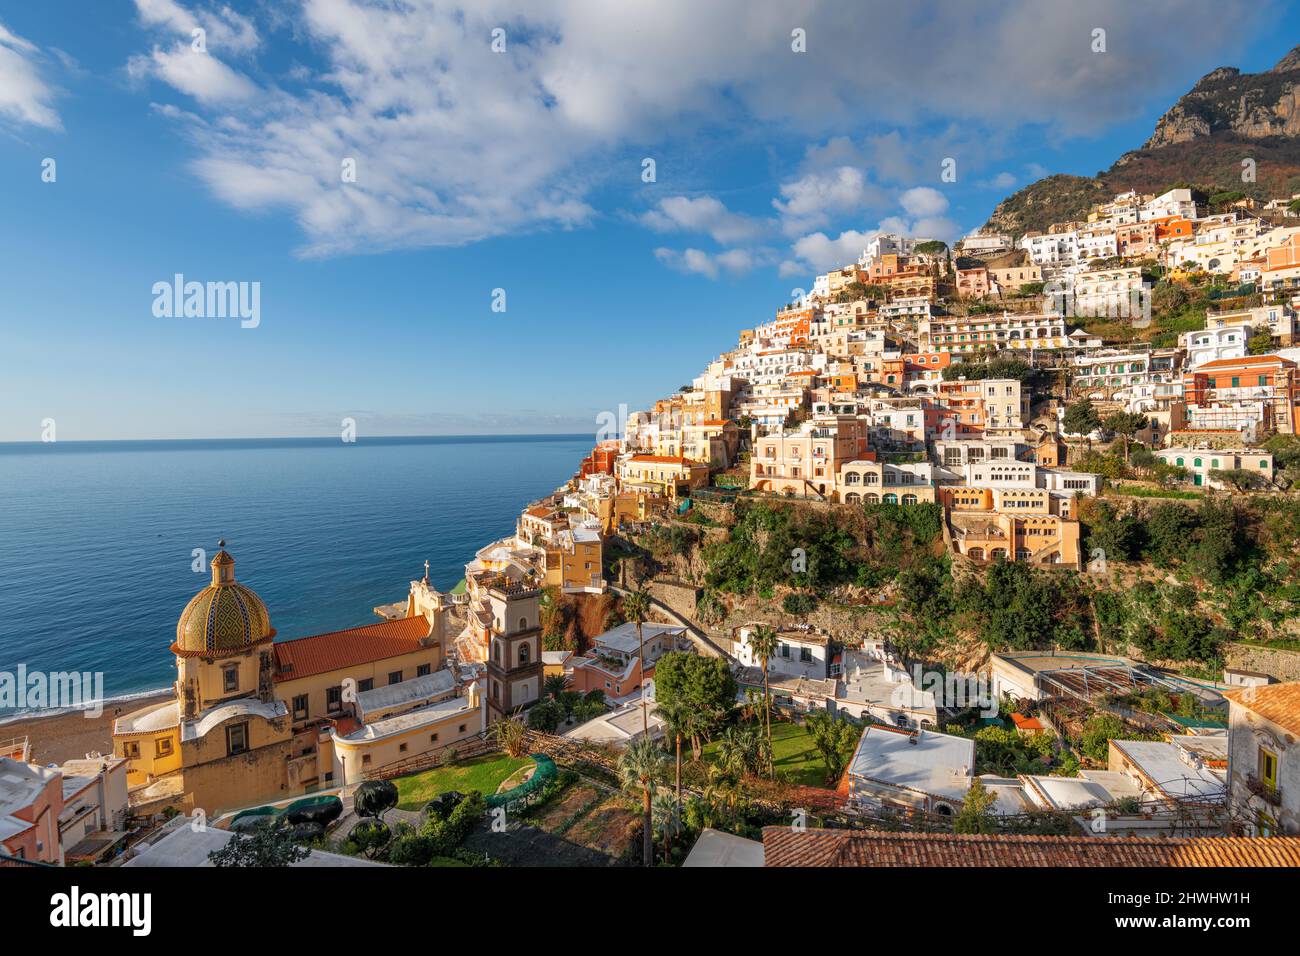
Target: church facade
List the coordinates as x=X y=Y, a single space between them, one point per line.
x=256 y=720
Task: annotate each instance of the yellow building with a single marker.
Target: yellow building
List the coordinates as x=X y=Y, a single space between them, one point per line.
x=667 y=476
x=576 y=562
x=254 y=719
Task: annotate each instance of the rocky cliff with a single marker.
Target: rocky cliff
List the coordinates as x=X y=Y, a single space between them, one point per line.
x=1201 y=140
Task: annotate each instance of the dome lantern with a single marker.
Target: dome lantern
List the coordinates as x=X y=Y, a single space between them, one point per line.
x=223 y=619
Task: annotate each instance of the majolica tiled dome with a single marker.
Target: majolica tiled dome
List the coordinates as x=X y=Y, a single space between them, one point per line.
x=224 y=618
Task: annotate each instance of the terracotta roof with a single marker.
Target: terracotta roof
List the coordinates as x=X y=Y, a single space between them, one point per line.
x=1247 y=360
x=785 y=847
x=1026 y=723
x=336 y=650
x=1279 y=703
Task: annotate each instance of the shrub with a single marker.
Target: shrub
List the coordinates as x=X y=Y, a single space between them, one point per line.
x=800 y=605
x=375 y=797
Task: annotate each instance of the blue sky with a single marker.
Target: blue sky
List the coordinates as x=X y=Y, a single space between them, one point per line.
x=520 y=170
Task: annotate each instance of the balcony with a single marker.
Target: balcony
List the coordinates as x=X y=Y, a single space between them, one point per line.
x=1269 y=794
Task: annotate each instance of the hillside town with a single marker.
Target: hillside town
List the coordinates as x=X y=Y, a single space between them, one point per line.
x=665 y=663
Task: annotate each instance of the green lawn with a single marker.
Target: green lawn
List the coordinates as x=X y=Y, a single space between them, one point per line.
x=793 y=754
x=483 y=774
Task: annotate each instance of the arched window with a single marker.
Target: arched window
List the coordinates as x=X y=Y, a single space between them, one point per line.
x=523 y=654
x=852 y=478
x=852 y=498
x=891 y=499
x=1196 y=463
x=523 y=624
x=872 y=499
x=909 y=499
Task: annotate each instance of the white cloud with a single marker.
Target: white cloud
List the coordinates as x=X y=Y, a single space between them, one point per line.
x=923 y=201
x=711 y=265
x=811 y=201
x=25 y=96
x=820 y=252
x=455 y=143
x=226 y=31
x=1002 y=180
x=924 y=219
x=706 y=215
x=200 y=75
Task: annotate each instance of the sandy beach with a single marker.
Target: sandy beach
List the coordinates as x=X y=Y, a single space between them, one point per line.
x=55 y=738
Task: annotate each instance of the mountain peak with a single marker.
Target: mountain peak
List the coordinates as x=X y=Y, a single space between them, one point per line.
x=1203 y=138
x=1289 y=62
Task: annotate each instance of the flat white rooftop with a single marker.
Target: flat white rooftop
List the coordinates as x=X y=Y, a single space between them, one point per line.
x=623 y=638
x=619 y=727
x=1170 y=774
x=718 y=848
x=938 y=764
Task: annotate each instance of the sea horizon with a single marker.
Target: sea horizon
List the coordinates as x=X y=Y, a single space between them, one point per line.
x=99 y=546
x=315 y=439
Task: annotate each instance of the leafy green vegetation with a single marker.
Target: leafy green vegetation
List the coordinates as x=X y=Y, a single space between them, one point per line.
x=775 y=545
x=478 y=774
x=795 y=752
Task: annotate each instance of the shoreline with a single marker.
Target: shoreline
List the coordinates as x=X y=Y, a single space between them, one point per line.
x=55 y=736
x=62 y=735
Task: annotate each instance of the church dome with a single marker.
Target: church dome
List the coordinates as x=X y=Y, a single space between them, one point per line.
x=224 y=618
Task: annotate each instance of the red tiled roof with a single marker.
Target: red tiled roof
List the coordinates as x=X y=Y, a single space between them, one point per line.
x=336 y=650
x=1247 y=360
x=783 y=846
x=1026 y=723
x=1279 y=703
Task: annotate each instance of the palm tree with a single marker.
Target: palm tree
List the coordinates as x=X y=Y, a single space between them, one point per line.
x=636 y=605
x=509 y=735
x=682 y=723
x=738 y=751
x=642 y=767
x=667 y=819
x=763 y=643
x=555 y=685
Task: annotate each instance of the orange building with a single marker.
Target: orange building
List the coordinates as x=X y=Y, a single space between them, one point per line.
x=601 y=460
x=1236 y=393
x=31 y=800
x=1173 y=227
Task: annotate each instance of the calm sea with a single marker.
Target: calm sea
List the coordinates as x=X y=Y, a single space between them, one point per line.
x=96 y=538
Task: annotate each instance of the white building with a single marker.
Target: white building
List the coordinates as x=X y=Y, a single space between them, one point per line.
x=876 y=687
x=1201 y=462
x=1264 y=758
x=911 y=770
x=1175 y=203
x=1206 y=345
x=799 y=653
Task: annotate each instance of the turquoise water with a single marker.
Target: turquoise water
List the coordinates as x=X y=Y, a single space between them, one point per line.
x=96 y=538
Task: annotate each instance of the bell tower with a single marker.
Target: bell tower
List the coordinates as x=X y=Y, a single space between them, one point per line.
x=514 y=664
